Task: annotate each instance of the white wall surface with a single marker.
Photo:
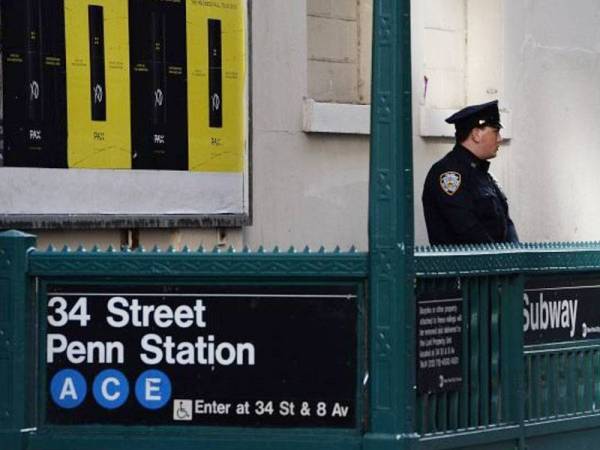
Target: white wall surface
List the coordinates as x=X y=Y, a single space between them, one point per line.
x=552 y=83
x=308 y=189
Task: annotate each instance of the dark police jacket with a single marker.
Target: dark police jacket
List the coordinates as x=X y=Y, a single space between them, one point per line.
x=463 y=204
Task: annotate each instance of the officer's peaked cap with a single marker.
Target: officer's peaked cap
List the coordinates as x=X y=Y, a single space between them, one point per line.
x=483 y=115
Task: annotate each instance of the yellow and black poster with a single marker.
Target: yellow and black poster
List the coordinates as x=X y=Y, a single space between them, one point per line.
x=125 y=84
x=157 y=41
x=98 y=105
x=34 y=83
x=216 y=56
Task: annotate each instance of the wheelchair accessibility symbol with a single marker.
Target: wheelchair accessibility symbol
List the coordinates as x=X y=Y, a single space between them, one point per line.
x=182 y=410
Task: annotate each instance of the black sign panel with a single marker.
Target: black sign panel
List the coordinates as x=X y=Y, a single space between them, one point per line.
x=97 y=66
x=439 y=342
x=157 y=34
x=283 y=356
x=215 y=75
x=561 y=309
x=34 y=83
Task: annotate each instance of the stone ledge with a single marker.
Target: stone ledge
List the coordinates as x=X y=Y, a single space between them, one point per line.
x=336 y=118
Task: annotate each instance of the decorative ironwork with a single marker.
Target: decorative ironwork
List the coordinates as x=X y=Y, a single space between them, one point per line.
x=497 y=259
x=185 y=263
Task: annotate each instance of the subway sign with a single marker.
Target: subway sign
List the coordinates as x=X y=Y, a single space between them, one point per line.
x=272 y=356
x=561 y=309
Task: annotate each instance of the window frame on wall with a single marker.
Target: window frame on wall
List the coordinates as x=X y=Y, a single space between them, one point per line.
x=330 y=115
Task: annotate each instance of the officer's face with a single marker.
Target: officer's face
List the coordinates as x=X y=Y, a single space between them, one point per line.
x=490 y=139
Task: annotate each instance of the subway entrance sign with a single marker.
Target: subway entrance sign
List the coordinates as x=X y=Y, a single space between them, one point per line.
x=225 y=355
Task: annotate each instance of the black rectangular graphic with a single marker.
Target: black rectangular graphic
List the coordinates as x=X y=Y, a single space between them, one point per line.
x=97 y=64
x=157 y=35
x=224 y=355
x=159 y=70
x=561 y=309
x=439 y=342
x=34 y=83
x=215 y=74
x=33 y=57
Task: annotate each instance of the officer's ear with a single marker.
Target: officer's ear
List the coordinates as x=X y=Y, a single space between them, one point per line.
x=476 y=134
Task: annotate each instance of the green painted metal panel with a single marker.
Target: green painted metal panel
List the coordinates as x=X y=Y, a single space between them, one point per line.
x=6 y=332
x=155 y=267
x=183 y=439
x=495 y=351
x=464 y=392
x=391 y=272
x=259 y=264
x=498 y=259
x=474 y=356
x=15 y=338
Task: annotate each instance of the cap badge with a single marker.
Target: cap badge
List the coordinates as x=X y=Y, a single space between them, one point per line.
x=450 y=182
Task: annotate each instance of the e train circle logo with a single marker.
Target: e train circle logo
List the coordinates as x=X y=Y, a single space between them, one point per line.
x=110 y=389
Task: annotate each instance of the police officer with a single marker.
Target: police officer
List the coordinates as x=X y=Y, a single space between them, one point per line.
x=463 y=203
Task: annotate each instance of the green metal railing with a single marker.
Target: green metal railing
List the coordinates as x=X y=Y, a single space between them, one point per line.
x=512 y=392
x=562 y=381
x=484 y=399
x=24 y=271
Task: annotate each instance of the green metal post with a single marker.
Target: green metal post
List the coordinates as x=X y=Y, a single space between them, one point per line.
x=391 y=233
x=14 y=356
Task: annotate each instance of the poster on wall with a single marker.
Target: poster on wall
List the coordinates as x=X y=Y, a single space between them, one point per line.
x=34 y=84
x=216 y=86
x=158 y=84
x=97 y=82
x=105 y=100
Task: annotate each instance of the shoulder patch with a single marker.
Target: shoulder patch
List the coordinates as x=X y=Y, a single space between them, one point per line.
x=450 y=182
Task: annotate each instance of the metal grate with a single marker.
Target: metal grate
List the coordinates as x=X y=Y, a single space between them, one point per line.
x=562 y=381
x=480 y=401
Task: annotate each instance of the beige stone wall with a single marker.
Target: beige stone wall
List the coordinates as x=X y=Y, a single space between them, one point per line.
x=462 y=52
x=339 y=49
x=443 y=58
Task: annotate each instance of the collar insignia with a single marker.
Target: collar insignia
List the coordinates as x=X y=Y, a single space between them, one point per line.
x=450 y=182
